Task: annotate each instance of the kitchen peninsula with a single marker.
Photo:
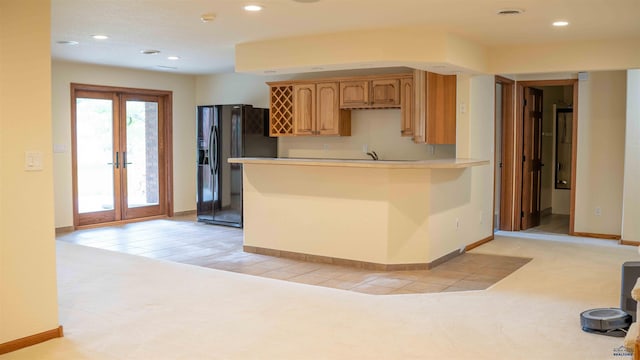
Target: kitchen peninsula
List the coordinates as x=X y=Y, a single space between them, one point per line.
x=380 y=214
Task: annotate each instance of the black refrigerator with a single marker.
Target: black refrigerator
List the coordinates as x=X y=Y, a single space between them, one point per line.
x=228 y=131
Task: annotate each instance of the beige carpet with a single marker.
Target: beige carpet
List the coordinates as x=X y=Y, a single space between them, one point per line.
x=118 y=306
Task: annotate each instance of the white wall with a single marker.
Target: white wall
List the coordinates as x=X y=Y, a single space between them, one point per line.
x=601 y=150
x=631 y=204
x=28 y=294
x=184 y=125
x=233 y=89
x=481 y=144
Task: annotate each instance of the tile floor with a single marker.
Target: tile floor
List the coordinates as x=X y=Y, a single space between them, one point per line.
x=183 y=240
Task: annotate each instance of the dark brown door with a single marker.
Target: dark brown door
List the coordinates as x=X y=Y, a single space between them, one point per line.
x=531 y=157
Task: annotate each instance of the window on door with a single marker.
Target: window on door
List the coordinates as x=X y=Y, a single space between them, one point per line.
x=120 y=154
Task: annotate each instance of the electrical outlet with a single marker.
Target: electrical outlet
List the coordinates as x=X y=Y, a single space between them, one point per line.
x=598 y=211
x=457 y=223
x=325 y=146
x=365 y=148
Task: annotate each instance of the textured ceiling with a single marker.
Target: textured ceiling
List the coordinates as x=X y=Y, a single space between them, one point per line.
x=174 y=26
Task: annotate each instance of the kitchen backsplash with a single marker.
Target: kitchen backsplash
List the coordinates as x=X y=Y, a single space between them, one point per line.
x=375 y=130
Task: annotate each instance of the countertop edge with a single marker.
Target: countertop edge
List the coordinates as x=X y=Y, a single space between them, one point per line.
x=458 y=163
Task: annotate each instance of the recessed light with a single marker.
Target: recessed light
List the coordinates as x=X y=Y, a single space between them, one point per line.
x=100 y=37
x=253 y=7
x=560 y=23
x=150 y=52
x=173 y=57
x=510 y=11
x=67 y=42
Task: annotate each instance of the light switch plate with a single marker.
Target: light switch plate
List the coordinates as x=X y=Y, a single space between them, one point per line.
x=33 y=161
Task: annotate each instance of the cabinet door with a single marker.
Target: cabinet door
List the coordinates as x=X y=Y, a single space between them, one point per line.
x=354 y=94
x=304 y=109
x=385 y=92
x=441 y=109
x=406 y=107
x=327 y=109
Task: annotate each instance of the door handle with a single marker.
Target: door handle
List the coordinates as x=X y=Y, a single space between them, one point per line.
x=117 y=163
x=215 y=130
x=124 y=160
x=210 y=150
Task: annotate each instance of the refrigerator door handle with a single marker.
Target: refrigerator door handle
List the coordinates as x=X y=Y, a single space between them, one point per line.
x=216 y=139
x=209 y=156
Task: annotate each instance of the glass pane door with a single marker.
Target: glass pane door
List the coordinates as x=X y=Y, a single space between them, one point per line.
x=95 y=149
x=142 y=153
x=95 y=163
x=141 y=156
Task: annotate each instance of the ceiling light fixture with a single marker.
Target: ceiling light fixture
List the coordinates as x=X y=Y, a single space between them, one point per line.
x=510 y=11
x=173 y=57
x=560 y=23
x=67 y=42
x=252 y=7
x=149 y=52
x=100 y=37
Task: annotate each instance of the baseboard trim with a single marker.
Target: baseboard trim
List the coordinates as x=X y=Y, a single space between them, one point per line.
x=597 y=236
x=351 y=263
x=443 y=259
x=31 y=340
x=478 y=243
x=120 y=222
x=64 y=230
x=630 y=242
x=185 y=213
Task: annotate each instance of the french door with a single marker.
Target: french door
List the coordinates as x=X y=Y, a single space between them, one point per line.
x=119 y=165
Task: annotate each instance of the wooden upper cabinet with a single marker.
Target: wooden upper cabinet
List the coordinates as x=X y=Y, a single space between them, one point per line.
x=385 y=92
x=327 y=109
x=304 y=109
x=441 y=109
x=316 y=110
x=434 y=108
x=407 y=104
x=281 y=110
x=354 y=94
x=376 y=93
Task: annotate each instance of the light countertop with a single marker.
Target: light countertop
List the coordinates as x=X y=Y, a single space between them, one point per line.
x=393 y=164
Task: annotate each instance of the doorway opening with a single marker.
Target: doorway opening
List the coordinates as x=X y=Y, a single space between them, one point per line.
x=536 y=184
x=121 y=159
